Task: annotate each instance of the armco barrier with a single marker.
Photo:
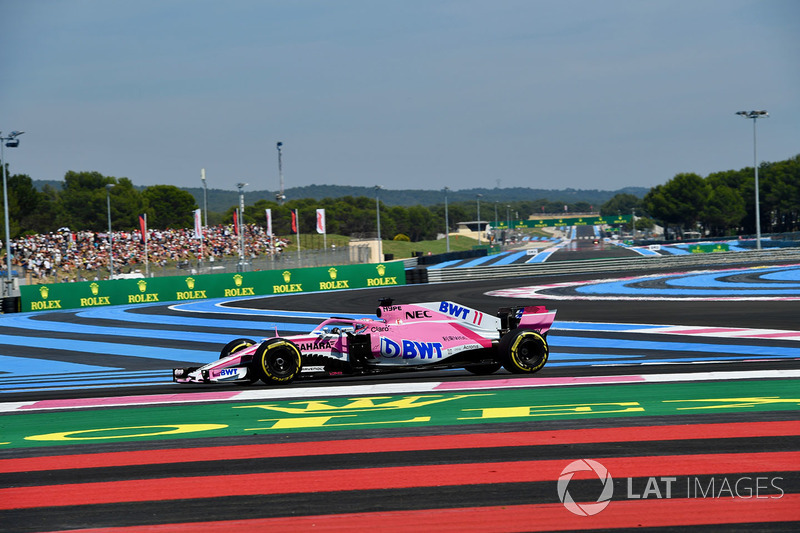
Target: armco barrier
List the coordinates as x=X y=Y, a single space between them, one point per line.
x=180 y=288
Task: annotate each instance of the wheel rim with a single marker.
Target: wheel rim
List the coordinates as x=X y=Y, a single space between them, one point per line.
x=530 y=351
x=279 y=363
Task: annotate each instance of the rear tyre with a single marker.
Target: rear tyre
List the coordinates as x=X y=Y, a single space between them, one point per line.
x=483 y=370
x=277 y=361
x=523 y=351
x=233 y=347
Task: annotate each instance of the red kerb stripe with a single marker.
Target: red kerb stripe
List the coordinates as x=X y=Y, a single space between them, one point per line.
x=382 y=478
x=437 y=442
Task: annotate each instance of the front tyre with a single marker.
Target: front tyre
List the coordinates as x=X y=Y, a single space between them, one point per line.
x=523 y=351
x=234 y=346
x=277 y=361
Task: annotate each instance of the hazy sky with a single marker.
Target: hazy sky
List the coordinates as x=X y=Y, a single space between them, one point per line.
x=404 y=94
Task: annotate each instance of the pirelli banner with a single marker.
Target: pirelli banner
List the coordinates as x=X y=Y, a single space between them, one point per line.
x=195 y=287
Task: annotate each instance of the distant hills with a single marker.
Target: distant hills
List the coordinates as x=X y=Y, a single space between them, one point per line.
x=220 y=200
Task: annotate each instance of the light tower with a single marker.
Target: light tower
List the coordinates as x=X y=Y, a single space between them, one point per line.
x=755 y=115
x=280 y=197
x=12 y=142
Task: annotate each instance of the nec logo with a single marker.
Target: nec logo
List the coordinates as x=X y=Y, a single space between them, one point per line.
x=418 y=314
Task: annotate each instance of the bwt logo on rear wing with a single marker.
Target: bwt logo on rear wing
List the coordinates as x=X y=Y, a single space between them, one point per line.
x=467 y=314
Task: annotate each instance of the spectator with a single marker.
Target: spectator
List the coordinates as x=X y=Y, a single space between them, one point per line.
x=65 y=253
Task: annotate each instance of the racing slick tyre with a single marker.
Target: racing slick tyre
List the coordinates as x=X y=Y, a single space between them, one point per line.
x=233 y=347
x=277 y=361
x=523 y=351
x=483 y=370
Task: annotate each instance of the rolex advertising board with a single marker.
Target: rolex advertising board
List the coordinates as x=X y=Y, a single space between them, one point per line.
x=708 y=248
x=571 y=221
x=194 y=287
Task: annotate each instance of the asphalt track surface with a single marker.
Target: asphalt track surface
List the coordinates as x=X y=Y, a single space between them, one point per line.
x=657 y=413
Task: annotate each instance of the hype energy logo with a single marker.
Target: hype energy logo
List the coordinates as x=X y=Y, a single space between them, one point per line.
x=743 y=487
x=585 y=509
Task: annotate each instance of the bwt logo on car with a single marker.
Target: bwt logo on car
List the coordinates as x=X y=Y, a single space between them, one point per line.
x=411 y=349
x=453 y=310
x=457 y=311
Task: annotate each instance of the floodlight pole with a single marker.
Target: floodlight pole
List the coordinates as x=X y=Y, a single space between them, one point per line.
x=110 y=237
x=446 y=219
x=494 y=230
x=280 y=196
x=378 y=209
x=508 y=217
x=241 y=186
x=205 y=197
x=478 y=196
x=12 y=142
x=755 y=115
x=8 y=283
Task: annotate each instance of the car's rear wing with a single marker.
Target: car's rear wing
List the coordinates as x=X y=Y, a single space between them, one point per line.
x=536 y=317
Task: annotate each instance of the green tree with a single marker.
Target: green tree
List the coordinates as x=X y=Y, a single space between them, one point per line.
x=621 y=204
x=29 y=211
x=780 y=195
x=85 y=198
x=82 y=201
x=127 y=204
x=679 y=202
x=169 y=207
x=723 y=210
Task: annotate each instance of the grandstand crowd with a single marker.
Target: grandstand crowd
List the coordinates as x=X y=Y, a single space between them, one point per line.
x=83 y=255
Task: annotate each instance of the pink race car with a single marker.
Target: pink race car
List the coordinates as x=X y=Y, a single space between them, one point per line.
x=423 y=336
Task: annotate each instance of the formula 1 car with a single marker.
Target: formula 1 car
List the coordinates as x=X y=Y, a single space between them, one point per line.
x=423 y=336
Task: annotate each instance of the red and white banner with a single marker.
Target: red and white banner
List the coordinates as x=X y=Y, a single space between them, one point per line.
x=198 y=225
x=294 y=220
x=269 y=221
x=236 y=222
x=320 y=221
x=143 y=227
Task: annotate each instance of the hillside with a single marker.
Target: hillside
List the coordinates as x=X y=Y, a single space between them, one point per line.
x=220 y=200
